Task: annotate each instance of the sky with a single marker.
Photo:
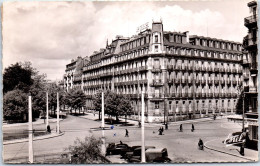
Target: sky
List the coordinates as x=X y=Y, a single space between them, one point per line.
x=50 y=34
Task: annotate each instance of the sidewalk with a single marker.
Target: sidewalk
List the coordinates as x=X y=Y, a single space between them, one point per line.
x=217 y=145
x=47 y=136
x=38 y=121
x=91 y=116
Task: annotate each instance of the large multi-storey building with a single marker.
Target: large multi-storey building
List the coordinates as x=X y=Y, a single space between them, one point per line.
x=182 y=76
x=73 y=74
x=250 y=62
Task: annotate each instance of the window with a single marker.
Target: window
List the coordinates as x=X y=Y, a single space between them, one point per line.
x=156 y=38
x=170 y=105
x=156 y=105
x=203 y=104
x=156 y=49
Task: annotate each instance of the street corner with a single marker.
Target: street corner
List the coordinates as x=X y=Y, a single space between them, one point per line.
x=230 y=149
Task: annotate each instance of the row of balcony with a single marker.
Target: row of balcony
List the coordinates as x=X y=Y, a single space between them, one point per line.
x=196 y=81
x=203 y=68
x=181 y=95
x=195 y=95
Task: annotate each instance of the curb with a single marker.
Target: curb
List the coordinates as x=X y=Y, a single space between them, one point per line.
x=228 y=153
x=26 y=124
x=35 y=139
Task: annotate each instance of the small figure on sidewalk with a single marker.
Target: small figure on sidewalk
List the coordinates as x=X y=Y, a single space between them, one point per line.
x=160 y=131
x=139 y=123
x=180 y=127
x=192 y=128
x=126 y=133
x=121 y=142
x=214 y=116
x=48 y=129
x=200 y=144
x=166 y=126
x=242 y=149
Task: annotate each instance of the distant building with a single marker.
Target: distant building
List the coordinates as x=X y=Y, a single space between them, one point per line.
x=250 y=64
x=73 y=74
x=183 y=76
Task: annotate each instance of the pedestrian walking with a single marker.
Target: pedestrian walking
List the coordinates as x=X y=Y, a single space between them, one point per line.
x=126 y=133
x=180 y=127
x=166 y=126
x=48 y=129
x=192 y=127
x=160 y=131
x=200 y=144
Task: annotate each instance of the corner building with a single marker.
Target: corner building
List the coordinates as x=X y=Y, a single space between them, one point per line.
x=183 y=77
x=250 y=64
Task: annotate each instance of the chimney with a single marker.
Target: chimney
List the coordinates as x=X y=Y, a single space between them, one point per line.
x=187 y=36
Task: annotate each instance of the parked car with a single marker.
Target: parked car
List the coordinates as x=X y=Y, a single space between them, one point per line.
x=128 y=151
x=135 y=156
x=153 y=155
x=113 y=149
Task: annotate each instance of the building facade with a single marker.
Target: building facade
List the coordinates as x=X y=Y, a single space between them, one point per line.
x=73 y=74
x=182 y=76
x=250 y=64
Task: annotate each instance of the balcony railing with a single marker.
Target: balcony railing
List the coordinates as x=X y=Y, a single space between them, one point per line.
x=157 y=83
x=252 y=89
x=221 y=70
x=170 y=67
x=216 y=69
x=183 y=80
x=233 y=94
x=142 y=68
x=190 y=94
x=248 y=42
x=250 y=20
x=253 y=68
x=157 y=95
x=216 y=94
x=234 y=70
x=210 y=94
x=227 y=70
x=228 y=95
x=156 y=70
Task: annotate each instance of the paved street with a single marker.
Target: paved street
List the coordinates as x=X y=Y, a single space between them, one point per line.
x=182 y=146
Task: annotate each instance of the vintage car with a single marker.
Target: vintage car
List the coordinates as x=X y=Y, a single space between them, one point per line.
x=159 y=155
x=114 y=149
x=135 y=155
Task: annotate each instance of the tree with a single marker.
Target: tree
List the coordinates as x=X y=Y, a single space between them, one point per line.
x=38 y=92
x=87 y=151
x=18 y=77
x=115 y=104
x=76 y=99
x=15 y=105
x=125 y=107
x=97 y=101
